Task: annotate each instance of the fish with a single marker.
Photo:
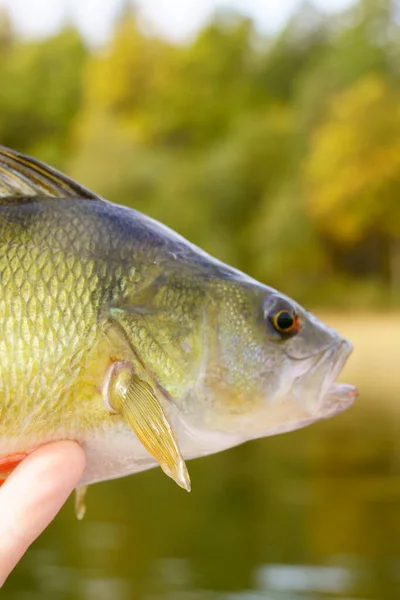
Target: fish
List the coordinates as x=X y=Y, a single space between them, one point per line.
x=122 y=335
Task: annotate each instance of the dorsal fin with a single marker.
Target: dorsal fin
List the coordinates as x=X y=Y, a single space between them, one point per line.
x=25 y=177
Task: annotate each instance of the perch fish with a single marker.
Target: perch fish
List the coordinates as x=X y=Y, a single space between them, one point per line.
x=120 y=334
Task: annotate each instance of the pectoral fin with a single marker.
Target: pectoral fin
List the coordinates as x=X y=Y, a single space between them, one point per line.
x=133 y=397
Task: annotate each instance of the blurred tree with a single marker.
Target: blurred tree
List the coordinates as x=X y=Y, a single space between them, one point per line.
x=359 y=41
x=294 y=52
x=211 y=83
x=123 y=80
x=174 y=96
x=41 y=89
x=6 y=33
x=353 y=170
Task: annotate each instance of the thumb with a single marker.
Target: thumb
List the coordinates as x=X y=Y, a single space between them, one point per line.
x=32 y=496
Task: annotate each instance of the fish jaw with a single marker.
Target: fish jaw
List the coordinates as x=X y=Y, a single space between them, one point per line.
x=339 y=398
x=316 y=389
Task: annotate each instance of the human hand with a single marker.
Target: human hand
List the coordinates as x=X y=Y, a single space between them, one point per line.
x=32 y=496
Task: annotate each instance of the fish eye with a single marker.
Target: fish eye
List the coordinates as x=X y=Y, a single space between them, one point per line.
x=282 y=316
x=284 y=321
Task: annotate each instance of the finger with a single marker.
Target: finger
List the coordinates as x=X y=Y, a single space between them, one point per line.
x=33 y=495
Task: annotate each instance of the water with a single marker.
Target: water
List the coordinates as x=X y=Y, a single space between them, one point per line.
x=309 y=515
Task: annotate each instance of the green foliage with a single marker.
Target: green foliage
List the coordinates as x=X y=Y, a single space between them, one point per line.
x=353 y=168
x=279 y=155
x=41 y=92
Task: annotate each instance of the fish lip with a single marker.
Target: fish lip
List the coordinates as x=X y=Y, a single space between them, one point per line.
x=342 y=392
x=336 y=353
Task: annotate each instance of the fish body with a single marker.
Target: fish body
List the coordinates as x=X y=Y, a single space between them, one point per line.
x=111 y=322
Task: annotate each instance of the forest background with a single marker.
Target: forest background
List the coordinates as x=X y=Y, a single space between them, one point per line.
x=279 y=154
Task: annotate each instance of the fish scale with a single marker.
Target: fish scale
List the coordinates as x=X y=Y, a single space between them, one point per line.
x=49 y=302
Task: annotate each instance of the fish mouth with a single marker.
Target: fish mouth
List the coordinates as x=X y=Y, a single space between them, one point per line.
x=316 y=390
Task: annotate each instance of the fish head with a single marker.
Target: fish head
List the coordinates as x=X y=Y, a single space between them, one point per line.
x=268 y=365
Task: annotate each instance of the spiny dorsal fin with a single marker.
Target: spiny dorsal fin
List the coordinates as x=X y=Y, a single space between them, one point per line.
x=25 y=177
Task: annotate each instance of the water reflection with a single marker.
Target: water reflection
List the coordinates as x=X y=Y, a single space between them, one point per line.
x=311 y=515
